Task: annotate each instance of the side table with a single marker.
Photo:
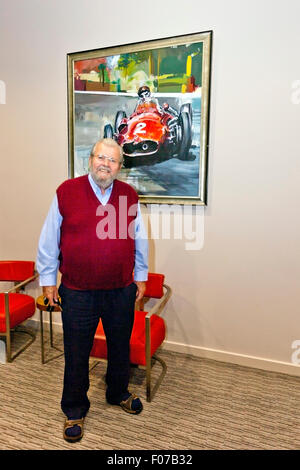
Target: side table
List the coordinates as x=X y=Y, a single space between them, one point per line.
x=43 y=308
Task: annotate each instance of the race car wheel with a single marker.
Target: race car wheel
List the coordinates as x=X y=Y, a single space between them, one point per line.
x=108 y=132
x=186 y=136
x=187 y=107
x=119 y=116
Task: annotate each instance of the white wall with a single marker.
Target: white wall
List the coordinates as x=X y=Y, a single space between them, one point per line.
x=238 y=297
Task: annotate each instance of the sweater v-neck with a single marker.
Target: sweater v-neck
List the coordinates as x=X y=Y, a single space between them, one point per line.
x=91 y=190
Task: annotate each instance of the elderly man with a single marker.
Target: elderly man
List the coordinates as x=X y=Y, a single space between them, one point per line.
x=95 y=235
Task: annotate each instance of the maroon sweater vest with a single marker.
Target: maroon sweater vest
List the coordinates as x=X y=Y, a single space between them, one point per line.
x=97 y=242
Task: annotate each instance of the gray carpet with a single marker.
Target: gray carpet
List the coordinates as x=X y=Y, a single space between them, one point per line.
x=201 y=404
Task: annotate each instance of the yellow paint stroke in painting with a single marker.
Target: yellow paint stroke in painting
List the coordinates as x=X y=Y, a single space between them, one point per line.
x=188 y=72
x=188 y=69
x=189 y=65
x=158 y=63
x=151 y=64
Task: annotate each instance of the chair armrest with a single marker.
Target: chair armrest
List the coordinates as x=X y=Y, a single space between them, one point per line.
x=160 y=304
x=6 y=298
x=23 y=283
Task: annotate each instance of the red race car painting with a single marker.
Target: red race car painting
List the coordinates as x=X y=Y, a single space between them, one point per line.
x=152 y=130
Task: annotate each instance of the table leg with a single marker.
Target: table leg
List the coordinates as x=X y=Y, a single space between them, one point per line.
x=42 y=337
x=51 y=331
x=44 y=361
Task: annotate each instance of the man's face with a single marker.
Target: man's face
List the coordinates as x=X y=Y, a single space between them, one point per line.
x=104 y=165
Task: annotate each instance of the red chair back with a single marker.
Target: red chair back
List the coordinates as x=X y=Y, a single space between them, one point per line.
x=16 y=270
x=154 y=286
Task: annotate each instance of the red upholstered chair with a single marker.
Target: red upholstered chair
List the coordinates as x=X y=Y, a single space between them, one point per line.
x=16 y=307
x=148 y=332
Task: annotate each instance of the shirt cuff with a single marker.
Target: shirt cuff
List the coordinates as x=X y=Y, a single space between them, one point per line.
x=47 y=279
x=141 y=276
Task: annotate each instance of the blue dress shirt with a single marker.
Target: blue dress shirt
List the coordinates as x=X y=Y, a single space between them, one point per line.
x=47 y=262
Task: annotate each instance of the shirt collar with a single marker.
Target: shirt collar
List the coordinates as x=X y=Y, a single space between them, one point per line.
x=97 y=190
x=96 y=187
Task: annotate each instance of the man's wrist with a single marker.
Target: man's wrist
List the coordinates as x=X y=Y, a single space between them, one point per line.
x=141 y=276
x=47 y=280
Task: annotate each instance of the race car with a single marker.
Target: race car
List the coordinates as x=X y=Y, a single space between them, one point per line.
x=153 y=130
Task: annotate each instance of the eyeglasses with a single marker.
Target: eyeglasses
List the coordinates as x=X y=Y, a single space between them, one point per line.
x=102 y=158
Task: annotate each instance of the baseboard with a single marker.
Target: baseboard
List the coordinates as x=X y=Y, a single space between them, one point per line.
x=234 y=358
x=35 y=324
x=215 y=354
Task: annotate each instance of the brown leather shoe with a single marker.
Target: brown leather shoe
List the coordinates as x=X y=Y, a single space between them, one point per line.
x=126 y=405
x=70 y=423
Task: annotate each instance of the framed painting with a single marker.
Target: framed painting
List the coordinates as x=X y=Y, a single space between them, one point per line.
x=152 y=98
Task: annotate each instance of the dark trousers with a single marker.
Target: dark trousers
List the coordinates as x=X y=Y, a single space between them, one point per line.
x=81 y=311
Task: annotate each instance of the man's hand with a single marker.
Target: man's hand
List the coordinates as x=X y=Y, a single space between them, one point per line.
x=51 y=293
x=141 y=287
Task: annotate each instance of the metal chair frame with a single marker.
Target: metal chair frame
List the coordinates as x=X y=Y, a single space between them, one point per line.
x=150 y=360
x=22 y=329
x=155 y=310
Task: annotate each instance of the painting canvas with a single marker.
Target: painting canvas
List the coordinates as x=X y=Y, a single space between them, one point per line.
x=153 y=99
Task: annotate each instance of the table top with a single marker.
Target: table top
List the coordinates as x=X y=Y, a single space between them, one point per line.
x=41 y=306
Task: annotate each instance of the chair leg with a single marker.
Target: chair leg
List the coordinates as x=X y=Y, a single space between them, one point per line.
x=148 y=358
x=10 y=356
x=151 y=393
x=22 y=329
x=148 y=381
x=8 y=347
x=7 y=328
x=91 y=367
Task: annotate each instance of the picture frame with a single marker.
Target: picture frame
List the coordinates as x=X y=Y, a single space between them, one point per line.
x=152 y=97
